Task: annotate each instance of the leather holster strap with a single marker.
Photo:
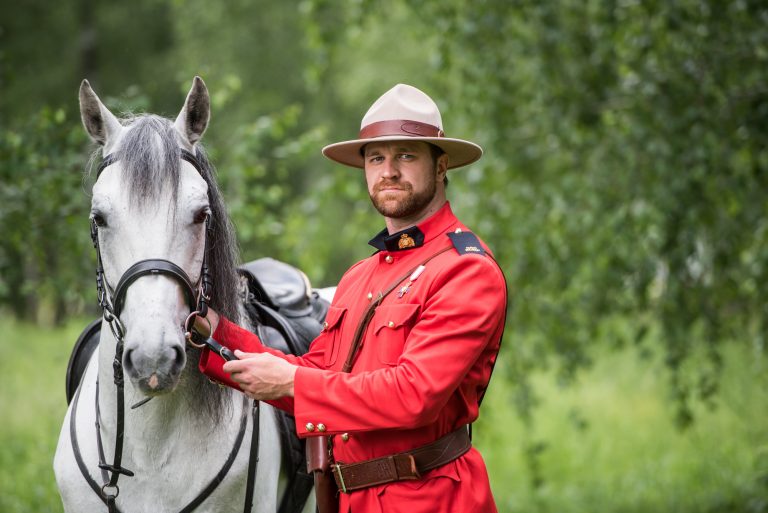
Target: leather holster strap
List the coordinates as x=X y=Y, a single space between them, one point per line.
x=402 y=466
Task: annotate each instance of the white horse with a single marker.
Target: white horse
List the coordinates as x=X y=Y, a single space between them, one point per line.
x=185 y=448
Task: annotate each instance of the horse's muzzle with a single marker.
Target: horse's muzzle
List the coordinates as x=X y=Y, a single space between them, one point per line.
x=155 y=374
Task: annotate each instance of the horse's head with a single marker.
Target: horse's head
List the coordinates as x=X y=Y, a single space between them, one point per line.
x=149 y=203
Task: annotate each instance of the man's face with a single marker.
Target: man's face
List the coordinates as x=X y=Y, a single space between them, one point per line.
x=402 y=177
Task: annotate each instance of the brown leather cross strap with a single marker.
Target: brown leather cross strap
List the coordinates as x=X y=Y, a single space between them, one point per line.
x=365 y=320
x=404 y=465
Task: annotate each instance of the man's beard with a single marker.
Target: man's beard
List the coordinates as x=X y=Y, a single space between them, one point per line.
x=410 y=205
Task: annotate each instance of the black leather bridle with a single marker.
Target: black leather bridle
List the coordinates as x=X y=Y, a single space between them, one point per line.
x=197 y=297
x=197 y=300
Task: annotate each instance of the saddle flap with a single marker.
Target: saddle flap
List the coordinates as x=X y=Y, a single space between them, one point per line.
x=84 y=348
x=281 y=285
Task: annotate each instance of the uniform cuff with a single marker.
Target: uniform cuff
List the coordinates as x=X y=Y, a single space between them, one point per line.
x=232 y=336
x=307 y=391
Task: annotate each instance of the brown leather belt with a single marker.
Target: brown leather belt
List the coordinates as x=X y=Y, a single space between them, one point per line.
x=404 y=465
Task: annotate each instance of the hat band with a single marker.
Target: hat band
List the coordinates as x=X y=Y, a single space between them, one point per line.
x=400 y=127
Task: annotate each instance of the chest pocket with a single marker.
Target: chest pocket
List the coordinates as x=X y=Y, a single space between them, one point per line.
x=332 y=330
x=391 y=326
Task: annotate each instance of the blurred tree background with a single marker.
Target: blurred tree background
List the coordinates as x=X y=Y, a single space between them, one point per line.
x=624 y=188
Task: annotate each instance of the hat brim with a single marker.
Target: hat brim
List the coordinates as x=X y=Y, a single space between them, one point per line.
x=460 y=152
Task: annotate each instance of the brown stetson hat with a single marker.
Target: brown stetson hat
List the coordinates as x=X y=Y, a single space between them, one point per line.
x=403 y=113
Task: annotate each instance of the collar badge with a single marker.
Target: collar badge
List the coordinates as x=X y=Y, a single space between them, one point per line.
x=406 y=241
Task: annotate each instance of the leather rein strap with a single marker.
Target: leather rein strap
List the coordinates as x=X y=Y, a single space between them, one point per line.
x=112 y=307
x=194 y=503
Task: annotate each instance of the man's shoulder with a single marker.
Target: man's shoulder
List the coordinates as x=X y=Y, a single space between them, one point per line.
x=468 y=250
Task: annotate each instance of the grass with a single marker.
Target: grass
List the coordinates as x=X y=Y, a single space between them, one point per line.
x=605 y=444
x=33 y=403
x=609 y=442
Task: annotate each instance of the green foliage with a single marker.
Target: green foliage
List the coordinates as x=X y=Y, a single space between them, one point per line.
x=45 y=243
x=608 y=441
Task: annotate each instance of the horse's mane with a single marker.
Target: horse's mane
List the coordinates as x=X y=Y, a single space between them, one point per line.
x=150 y=157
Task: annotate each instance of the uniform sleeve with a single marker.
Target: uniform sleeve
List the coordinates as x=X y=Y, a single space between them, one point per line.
x=234 y=337
x=458 y=329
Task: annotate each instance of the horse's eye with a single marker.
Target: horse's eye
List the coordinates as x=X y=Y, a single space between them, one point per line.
x=98 y=219
x=201 y=215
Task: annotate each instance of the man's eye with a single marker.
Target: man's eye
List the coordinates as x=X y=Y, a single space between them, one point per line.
x=406 y=156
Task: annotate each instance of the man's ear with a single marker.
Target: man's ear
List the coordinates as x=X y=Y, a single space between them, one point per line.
x=442 y=167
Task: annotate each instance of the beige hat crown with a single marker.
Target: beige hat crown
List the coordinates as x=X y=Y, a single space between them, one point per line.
x=403 y=113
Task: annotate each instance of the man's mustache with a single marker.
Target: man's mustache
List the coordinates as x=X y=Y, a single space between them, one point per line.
x=389 y=183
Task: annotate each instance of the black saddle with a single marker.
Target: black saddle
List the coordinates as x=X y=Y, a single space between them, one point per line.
x=288 y=314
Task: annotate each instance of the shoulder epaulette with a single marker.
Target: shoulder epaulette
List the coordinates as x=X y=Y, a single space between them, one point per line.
x=466 y=243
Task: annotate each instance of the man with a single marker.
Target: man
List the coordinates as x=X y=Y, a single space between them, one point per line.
x=426 y=355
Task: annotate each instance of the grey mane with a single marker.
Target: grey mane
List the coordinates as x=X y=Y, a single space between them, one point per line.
x=150 y=157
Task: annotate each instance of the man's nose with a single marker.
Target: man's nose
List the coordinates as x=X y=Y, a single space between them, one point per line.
x=389 y=168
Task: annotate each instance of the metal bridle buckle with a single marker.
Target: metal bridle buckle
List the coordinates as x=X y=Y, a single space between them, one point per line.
x=110 y=496
x=188 y=326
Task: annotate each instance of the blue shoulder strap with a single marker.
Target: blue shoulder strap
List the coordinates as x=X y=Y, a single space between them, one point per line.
x=466 y=243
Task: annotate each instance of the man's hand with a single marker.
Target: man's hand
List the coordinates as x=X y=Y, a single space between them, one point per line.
x=262 y=376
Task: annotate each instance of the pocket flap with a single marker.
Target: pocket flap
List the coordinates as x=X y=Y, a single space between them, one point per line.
x=333 y=317
x=393 y=316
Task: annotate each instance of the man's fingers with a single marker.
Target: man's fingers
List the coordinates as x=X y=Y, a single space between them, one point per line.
x=239 y=365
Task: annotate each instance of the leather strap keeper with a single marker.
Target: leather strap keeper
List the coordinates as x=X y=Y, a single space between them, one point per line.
x=400 y=127
x=402 y=466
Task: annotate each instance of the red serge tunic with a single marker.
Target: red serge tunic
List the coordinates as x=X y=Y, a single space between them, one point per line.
x=422 y=368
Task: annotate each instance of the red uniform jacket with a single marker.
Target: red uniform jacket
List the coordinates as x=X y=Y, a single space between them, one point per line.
x=424 y=364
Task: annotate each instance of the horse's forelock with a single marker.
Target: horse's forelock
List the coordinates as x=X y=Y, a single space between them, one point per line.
x=149 y=155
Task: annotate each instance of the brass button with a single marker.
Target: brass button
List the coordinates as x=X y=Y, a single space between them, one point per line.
x=325 y=325
x=458 y=230
x=345 y=437
x=391 y=324
x=370 y=296
x=310 y=427
x=389 y=259
x=321 y=428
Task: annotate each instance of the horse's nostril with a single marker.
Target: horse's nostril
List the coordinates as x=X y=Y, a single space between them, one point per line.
x=128 y=362
x=179 y=360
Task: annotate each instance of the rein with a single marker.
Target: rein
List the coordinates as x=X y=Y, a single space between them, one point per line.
x=197 y=297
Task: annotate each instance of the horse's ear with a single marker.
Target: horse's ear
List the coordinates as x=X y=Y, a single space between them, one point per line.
x=98 y=121
x=194 y=116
